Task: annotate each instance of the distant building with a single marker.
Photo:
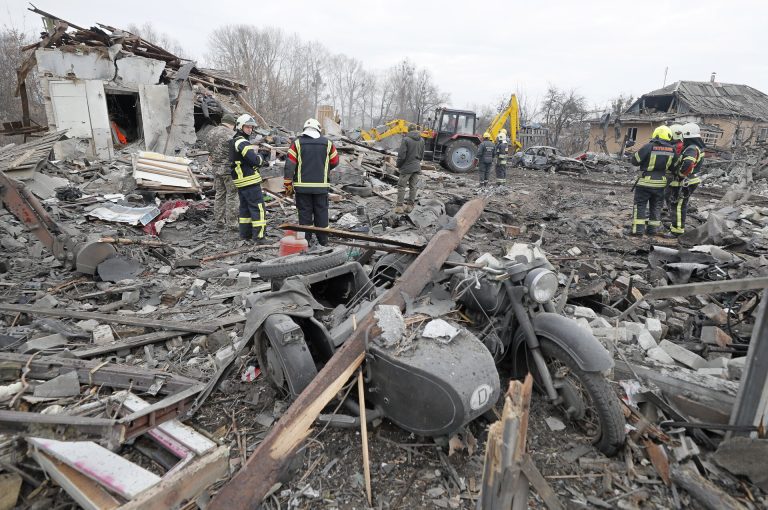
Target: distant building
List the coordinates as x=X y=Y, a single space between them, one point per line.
x=728 y=115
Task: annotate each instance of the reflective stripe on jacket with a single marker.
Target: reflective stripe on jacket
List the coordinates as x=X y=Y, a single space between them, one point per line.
x=485 y=152
x=501 y=153
x=692 y=158
x=654 y=159
x=309 y=162
x=245 y=161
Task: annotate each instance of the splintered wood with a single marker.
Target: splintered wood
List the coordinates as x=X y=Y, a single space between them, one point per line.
x=505 y=450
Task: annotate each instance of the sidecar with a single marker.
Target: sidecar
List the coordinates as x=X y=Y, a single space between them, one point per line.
x=426 y=386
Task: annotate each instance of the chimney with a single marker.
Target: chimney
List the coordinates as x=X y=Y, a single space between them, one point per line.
x=712 y=78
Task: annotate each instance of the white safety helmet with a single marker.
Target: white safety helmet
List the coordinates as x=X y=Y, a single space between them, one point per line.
x=245 y=120
x=677 y=131
x=691 y=130
x=501 y=137
x=312 y=124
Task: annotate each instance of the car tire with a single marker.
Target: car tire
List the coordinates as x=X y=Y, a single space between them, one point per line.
x=302 y=263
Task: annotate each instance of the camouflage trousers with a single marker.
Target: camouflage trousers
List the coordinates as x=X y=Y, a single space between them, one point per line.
x=226 y=203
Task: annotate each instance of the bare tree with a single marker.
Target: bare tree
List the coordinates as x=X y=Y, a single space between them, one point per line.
x=287 y=79
x=559 y=110
x=148 y=32
x=11 y=41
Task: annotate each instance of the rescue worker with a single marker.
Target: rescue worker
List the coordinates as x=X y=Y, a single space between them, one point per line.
x=409 y=158
x=225 y=201
x=501 y=150
x=311 y=157
x=687 y=176
x=484 y=158
x=672 y=189
x=654 y=159
x=245 y=161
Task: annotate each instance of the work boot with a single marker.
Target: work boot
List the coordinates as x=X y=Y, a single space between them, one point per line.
x=399 y=209
x=408 y=208
x=260 y=241
x=671 y=235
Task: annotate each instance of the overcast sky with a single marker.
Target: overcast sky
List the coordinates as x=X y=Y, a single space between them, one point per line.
x=480 y=51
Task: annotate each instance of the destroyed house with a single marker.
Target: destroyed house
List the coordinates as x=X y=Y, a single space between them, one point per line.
x=729 y=115
x=108 y=87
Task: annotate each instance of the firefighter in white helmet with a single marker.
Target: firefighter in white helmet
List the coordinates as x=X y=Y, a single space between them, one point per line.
x=311 y=157
x=673 y=185
x=687 y=176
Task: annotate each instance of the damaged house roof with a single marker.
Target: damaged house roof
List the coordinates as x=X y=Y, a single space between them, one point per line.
x=704 y=98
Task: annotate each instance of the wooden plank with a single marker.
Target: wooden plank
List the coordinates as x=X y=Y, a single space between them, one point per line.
x=184 y=485
x=108 y=469
x=678 y=380
x=702 y=490
x=184 y=434
x=93 y=372
x=108 y=318
x=543 y=489
x=87 y=493
x=128 y=343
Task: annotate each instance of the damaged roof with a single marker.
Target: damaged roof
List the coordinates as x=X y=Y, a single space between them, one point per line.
x=67 y=36
x=704 y=98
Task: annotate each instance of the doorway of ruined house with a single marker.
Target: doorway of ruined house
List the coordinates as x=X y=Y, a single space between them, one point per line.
x=124 y=110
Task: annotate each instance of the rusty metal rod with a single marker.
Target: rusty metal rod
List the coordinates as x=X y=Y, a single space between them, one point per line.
x=250 y=485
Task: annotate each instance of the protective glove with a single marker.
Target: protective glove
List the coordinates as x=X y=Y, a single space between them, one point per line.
x=288 y=185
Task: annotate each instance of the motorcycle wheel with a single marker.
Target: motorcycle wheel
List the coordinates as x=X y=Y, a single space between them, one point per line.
x=594 y=406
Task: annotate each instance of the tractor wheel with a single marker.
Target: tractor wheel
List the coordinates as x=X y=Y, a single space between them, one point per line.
x=460 y=156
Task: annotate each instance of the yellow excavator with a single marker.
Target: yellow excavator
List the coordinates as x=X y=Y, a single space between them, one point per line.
x=452 y=140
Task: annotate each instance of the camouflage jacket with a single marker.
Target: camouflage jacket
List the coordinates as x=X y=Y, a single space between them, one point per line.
x=217 y=143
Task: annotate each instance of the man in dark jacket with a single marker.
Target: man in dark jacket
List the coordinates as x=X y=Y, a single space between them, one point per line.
x=311 y=157
x=502 y=150
x=409 y=163
x=484 y=158
x=246 y=160
x=654 y=159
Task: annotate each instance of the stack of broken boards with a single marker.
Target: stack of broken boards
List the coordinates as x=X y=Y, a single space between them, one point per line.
x=99 y=479
x=164 y=174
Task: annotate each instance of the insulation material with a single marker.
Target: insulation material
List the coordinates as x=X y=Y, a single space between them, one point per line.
x=162 y=173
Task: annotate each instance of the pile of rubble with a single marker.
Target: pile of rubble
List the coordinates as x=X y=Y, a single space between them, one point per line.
x=101 y=368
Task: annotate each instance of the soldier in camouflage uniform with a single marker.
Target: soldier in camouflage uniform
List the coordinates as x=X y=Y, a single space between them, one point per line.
x=226 y=203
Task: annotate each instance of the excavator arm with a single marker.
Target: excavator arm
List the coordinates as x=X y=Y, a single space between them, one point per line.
x=80 y=256
x=509 y=114
x=391 y=128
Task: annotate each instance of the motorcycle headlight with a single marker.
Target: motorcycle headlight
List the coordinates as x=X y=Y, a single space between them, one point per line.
x=542 y=285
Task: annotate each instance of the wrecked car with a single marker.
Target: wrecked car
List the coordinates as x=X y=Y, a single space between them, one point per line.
x=433 y=380
x=542 y=157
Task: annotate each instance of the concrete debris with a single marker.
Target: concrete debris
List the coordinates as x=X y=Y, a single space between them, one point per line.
x=745 y=456
x=65 y=385
x=439 y=329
